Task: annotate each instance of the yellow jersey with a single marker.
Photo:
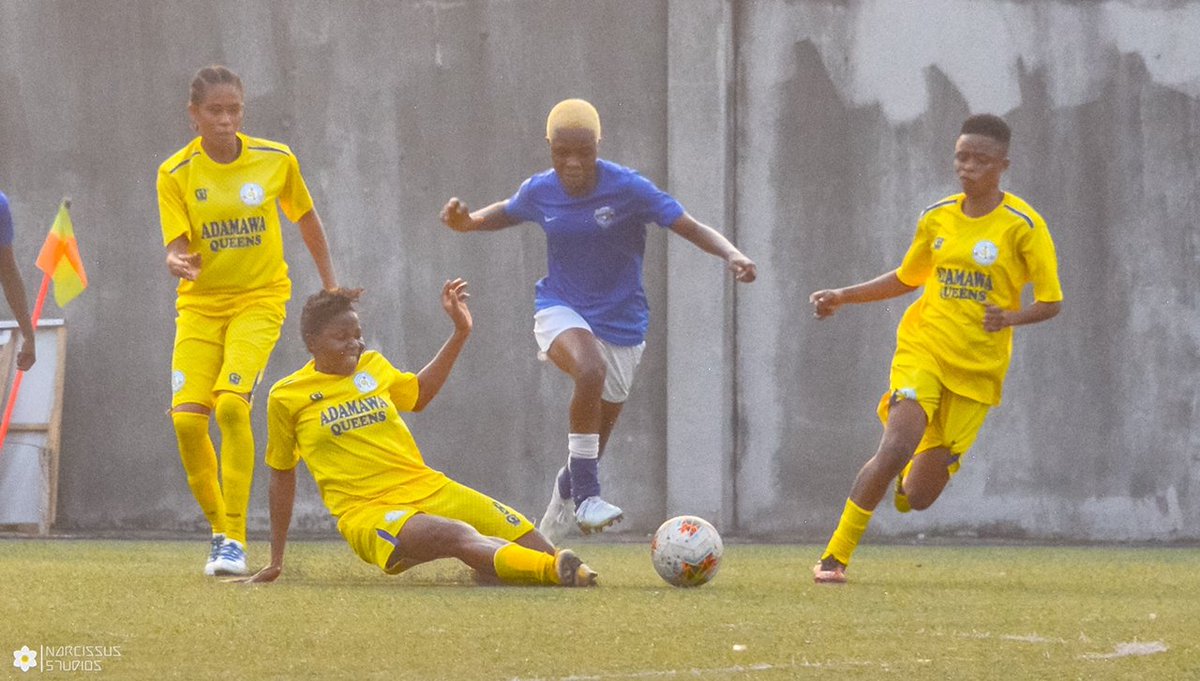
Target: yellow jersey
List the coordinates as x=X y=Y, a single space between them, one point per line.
x=349 y=432
x=965 y=264
x=227 y=211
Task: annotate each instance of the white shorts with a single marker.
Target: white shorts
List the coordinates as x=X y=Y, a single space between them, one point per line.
x=620 y=361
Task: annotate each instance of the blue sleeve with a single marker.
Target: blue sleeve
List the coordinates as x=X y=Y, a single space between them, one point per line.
x=521 y=206
x=6 y=224
x=660 y=207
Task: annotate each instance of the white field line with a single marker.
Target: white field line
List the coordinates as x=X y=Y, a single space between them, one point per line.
x=701 y=673
x=1134 y=649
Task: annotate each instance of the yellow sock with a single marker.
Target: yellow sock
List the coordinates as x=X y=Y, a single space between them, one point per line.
x=237 y=461
x=200 y=463
x=516 y=564
x=849 y=531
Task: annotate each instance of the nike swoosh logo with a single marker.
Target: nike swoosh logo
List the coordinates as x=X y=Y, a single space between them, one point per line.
x=547 y=218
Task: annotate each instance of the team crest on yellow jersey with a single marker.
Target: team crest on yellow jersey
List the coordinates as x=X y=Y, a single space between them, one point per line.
x=253 y=194
x=985 y=253
x=365 y=382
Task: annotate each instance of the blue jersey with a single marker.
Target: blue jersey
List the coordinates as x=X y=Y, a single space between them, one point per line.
x=6 y=225
x=595 y=244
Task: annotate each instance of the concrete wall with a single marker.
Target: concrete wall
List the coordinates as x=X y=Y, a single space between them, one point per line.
x=812 y=132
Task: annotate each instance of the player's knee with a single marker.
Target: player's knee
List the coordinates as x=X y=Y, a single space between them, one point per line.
x=189 y=424
x=232 y=410
x=590 y=375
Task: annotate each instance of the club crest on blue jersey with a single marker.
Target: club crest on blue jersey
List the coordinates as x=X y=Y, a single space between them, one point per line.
x=605 y=215
x=985 y=253
x=252 y=194
x=177 y=381
x=365 y=382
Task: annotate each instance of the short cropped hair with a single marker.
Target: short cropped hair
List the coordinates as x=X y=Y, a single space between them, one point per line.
x=988 y=125
x=572 y=114
x=209 y=76
x=324 y=306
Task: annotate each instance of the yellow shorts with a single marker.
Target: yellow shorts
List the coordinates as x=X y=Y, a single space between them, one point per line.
x=223 y=353
x=953 y=420
x=371 y=529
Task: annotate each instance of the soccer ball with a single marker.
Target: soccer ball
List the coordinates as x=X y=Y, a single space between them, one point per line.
x=686 y=551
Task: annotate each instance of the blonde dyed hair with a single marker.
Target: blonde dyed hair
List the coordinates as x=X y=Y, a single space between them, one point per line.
x=573 y=114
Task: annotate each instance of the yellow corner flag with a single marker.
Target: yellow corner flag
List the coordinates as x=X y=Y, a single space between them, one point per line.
x=59 y=258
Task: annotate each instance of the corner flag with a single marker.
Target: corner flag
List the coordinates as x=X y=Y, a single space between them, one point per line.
x=59 y=258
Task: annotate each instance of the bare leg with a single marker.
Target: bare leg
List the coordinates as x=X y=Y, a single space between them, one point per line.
x=427 y=537
x=905 y=427
x=577 y=353
x=928 y=477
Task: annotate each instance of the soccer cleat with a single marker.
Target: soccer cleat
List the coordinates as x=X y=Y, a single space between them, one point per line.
x=558 y=519
x=571 y=570
x=829 y=571
x=231 y=560
x=214 y=552
x=594 y=514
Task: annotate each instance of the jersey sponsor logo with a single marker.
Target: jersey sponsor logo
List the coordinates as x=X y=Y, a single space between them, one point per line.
x=201 y=195
x=177 y=381
x=252 y=194
x=355 y=414
x=234 y=233
x=985 y=253
x=937 y=243
x=365 y=382
x=964 y=284
x=316 y=397
x=605 y=216
x=235 y=379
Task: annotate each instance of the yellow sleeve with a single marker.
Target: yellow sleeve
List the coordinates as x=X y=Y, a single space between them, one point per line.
x=172 y=210
x=294 y=197
x=918 y=261
x=281 y=435
x=405 y=389
x=1041 y=261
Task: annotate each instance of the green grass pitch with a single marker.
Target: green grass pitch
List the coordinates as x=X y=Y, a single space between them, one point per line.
x=910 y=612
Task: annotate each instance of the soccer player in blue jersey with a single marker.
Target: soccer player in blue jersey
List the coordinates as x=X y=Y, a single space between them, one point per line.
x=14 y=288
x=590 y=311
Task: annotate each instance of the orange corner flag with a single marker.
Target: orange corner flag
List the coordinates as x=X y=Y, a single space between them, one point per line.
x=59 y=258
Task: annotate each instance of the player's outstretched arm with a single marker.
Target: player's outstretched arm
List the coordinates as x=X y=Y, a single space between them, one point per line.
x=431 y=379
x=180 y=262
x=711 y=241
x=827 y=301
x=282 y=498
x=458 y=217
x=14 y=293
x=995 y=318
x=313 y=233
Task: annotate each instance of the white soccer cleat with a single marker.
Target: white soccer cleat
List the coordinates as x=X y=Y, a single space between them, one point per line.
x=594 y=514
x=231 y=560
x=214 y=553
x=558 y=519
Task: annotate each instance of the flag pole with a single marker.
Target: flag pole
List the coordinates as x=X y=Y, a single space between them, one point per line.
x=16 y=386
